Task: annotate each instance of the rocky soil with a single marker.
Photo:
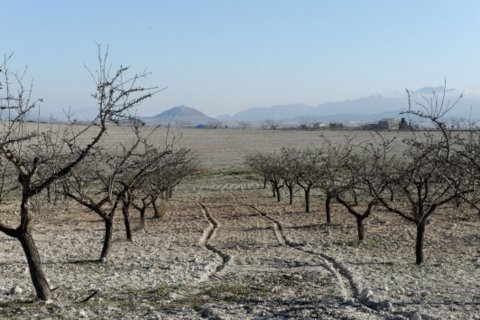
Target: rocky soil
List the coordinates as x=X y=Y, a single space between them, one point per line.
x=227 y=250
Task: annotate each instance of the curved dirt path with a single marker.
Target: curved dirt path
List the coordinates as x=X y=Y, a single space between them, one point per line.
x=208 y=235
x=255 y=248
x=348 y=287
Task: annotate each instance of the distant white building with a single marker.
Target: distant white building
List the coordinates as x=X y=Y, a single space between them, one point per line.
x=388 y=124
x=319 y=125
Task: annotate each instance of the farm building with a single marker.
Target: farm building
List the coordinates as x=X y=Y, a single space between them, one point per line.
x=388 y=124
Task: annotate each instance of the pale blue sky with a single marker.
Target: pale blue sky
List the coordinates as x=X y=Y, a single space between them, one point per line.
x=221 y=56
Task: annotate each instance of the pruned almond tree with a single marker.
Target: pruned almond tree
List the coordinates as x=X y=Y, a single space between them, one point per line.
x=115 y=94
x=289 y=166
x=335 y=171
x=169 y=174
x=467 y=148
x=270 y=166
x=428 y=175
x=358 y=177
x=257 y=163
x=106 y=179
x=164 y=175
x=309 y=172
x=425 y=179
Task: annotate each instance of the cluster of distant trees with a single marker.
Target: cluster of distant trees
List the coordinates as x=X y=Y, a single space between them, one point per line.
x=412 y=178
x=72 y=161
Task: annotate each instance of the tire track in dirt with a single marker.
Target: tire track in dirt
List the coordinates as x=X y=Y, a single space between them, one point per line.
x=348 y=287
x=208 y=235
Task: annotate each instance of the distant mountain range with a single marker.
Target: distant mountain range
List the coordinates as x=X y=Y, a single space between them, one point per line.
x=349 y=112
x=363 y=106
x=362 y=110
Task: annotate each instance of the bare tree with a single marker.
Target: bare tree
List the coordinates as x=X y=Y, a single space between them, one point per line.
x=274 y=175
x=334 y=170
x=107 y=180
x=115 y=95
x=468 y=151
x=269 y=166
x=289 y=167
x=428 y=175
x=257 y=163
x=169 y=171
x=355 y=194
x=309 y=172
x=289 y=164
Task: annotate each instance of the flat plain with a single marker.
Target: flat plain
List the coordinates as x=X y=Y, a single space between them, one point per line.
x=227 y=250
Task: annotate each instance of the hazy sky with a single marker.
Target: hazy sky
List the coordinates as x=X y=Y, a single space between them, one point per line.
x=221 y=56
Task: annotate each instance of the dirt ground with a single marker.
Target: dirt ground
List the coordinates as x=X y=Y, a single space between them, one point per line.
x=227 y=250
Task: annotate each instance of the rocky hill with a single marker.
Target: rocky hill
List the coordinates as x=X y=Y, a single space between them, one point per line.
x=181 y=116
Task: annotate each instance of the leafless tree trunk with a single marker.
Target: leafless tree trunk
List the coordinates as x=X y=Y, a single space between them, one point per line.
x=143 y=218
x=107 y=239
x=360 y=228
x=290 y=194
x=37 y=274
x=126 y=219
x=142 y=208
x=306 y=191
x=157 y=214
x=276 y=186
x=360 y=216
x=328 y=208
x=419 y=258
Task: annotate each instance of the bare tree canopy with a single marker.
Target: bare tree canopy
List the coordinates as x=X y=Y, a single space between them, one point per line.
x=41 y=156
x=412 y=178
